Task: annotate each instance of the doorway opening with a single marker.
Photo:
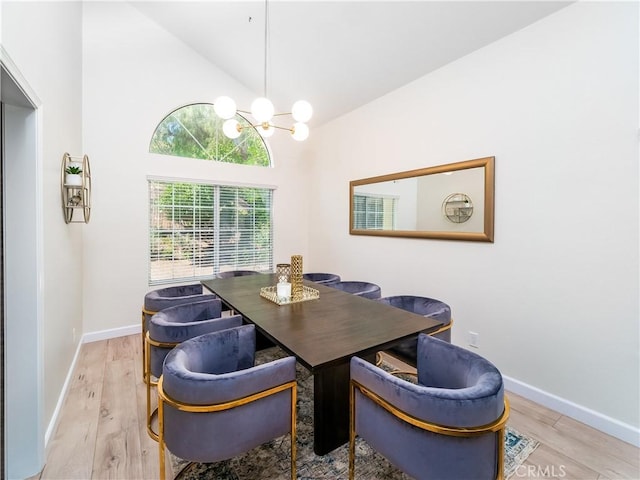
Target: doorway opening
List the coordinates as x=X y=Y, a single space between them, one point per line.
x=21 y=379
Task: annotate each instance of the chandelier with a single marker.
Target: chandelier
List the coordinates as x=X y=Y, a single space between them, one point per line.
x=262 y=109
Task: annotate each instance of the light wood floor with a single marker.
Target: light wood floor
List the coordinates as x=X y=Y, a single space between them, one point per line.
x=102 y=432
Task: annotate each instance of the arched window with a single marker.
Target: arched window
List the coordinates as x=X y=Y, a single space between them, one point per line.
x=195 y=131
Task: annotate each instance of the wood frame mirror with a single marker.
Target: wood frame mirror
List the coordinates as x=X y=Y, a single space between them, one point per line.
x=424 y=203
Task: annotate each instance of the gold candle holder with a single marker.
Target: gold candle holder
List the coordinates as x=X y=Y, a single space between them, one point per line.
x=296 y=277
x=283 y=272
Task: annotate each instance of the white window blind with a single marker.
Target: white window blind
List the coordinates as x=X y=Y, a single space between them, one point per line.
x=372 y=212
x=197 y=230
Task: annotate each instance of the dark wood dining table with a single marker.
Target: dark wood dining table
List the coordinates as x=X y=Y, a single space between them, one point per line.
x=323 y=334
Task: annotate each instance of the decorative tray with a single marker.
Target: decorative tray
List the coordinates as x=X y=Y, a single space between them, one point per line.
x=270 y=293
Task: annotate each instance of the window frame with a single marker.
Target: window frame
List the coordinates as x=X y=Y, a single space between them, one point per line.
x=217 y=254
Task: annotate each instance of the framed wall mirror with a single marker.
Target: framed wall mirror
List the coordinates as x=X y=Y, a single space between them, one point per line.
x=453 y=201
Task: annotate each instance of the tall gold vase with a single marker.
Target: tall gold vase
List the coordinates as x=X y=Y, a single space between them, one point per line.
x=296 y=277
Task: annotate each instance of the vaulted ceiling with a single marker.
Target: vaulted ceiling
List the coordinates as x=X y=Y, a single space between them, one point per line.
x=338 y=55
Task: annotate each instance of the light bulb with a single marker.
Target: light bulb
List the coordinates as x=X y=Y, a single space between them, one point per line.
x=262 y=109
x=265 y=130
x=231 y=128
x=225 y=107
x=301 y=111
x=300 y=131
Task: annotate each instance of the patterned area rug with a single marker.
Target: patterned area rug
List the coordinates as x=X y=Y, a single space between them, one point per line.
x=272 y=460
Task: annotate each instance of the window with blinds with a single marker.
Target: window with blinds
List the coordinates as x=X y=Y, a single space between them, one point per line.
x=373 y=212
x=197 y=230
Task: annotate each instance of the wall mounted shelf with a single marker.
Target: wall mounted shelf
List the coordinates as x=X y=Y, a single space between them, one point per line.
x=75 y=180
x=457 y=207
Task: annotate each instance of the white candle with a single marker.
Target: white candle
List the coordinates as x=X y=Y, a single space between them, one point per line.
x=283 y=290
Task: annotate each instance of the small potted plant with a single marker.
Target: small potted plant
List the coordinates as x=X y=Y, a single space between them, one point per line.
x=73 y=176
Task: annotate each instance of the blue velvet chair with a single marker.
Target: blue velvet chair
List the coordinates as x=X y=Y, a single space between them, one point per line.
x=162 y=298
x=362 y=289
x=214 y=404
x=427 y=307
x=172 y=326
x=236 y=273
x=448 y=425
x=322 y=278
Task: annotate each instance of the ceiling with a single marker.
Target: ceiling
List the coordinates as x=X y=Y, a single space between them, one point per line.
x=338 y=55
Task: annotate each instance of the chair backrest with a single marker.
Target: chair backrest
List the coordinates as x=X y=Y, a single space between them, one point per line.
x=217 y=370
x=457 y=389
x=236 y=273
x=174 y=325
x=425 y=306
x=362 y=289
x=428 y=307
x=322 y=278
x=162 y=298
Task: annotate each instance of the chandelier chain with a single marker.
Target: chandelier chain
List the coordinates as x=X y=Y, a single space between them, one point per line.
x=262 y=109
x=266 y=43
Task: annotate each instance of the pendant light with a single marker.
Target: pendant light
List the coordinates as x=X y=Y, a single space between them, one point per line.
x=262 y=109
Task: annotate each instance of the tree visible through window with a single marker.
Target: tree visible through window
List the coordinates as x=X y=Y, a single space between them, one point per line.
x=195 y=131
x=197 y=230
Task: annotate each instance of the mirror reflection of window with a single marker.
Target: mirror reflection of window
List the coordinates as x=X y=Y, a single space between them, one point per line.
x=374 y=212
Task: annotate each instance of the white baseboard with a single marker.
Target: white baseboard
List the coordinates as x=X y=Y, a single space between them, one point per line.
x=111 y=333
x=63 y=394
x=597 y=420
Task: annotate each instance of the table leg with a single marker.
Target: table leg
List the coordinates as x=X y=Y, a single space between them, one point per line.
x=331 y=407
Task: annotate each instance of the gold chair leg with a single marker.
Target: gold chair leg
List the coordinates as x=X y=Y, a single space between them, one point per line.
x=161 y=449
x=352 y=431
x=500 y=454
x=294 y=401
x=149 y=384
x=145 y=312
x=144 y=361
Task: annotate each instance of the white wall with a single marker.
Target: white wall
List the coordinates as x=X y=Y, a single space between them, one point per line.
x=555 y=298
x=134 y=74
x=43 y=41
